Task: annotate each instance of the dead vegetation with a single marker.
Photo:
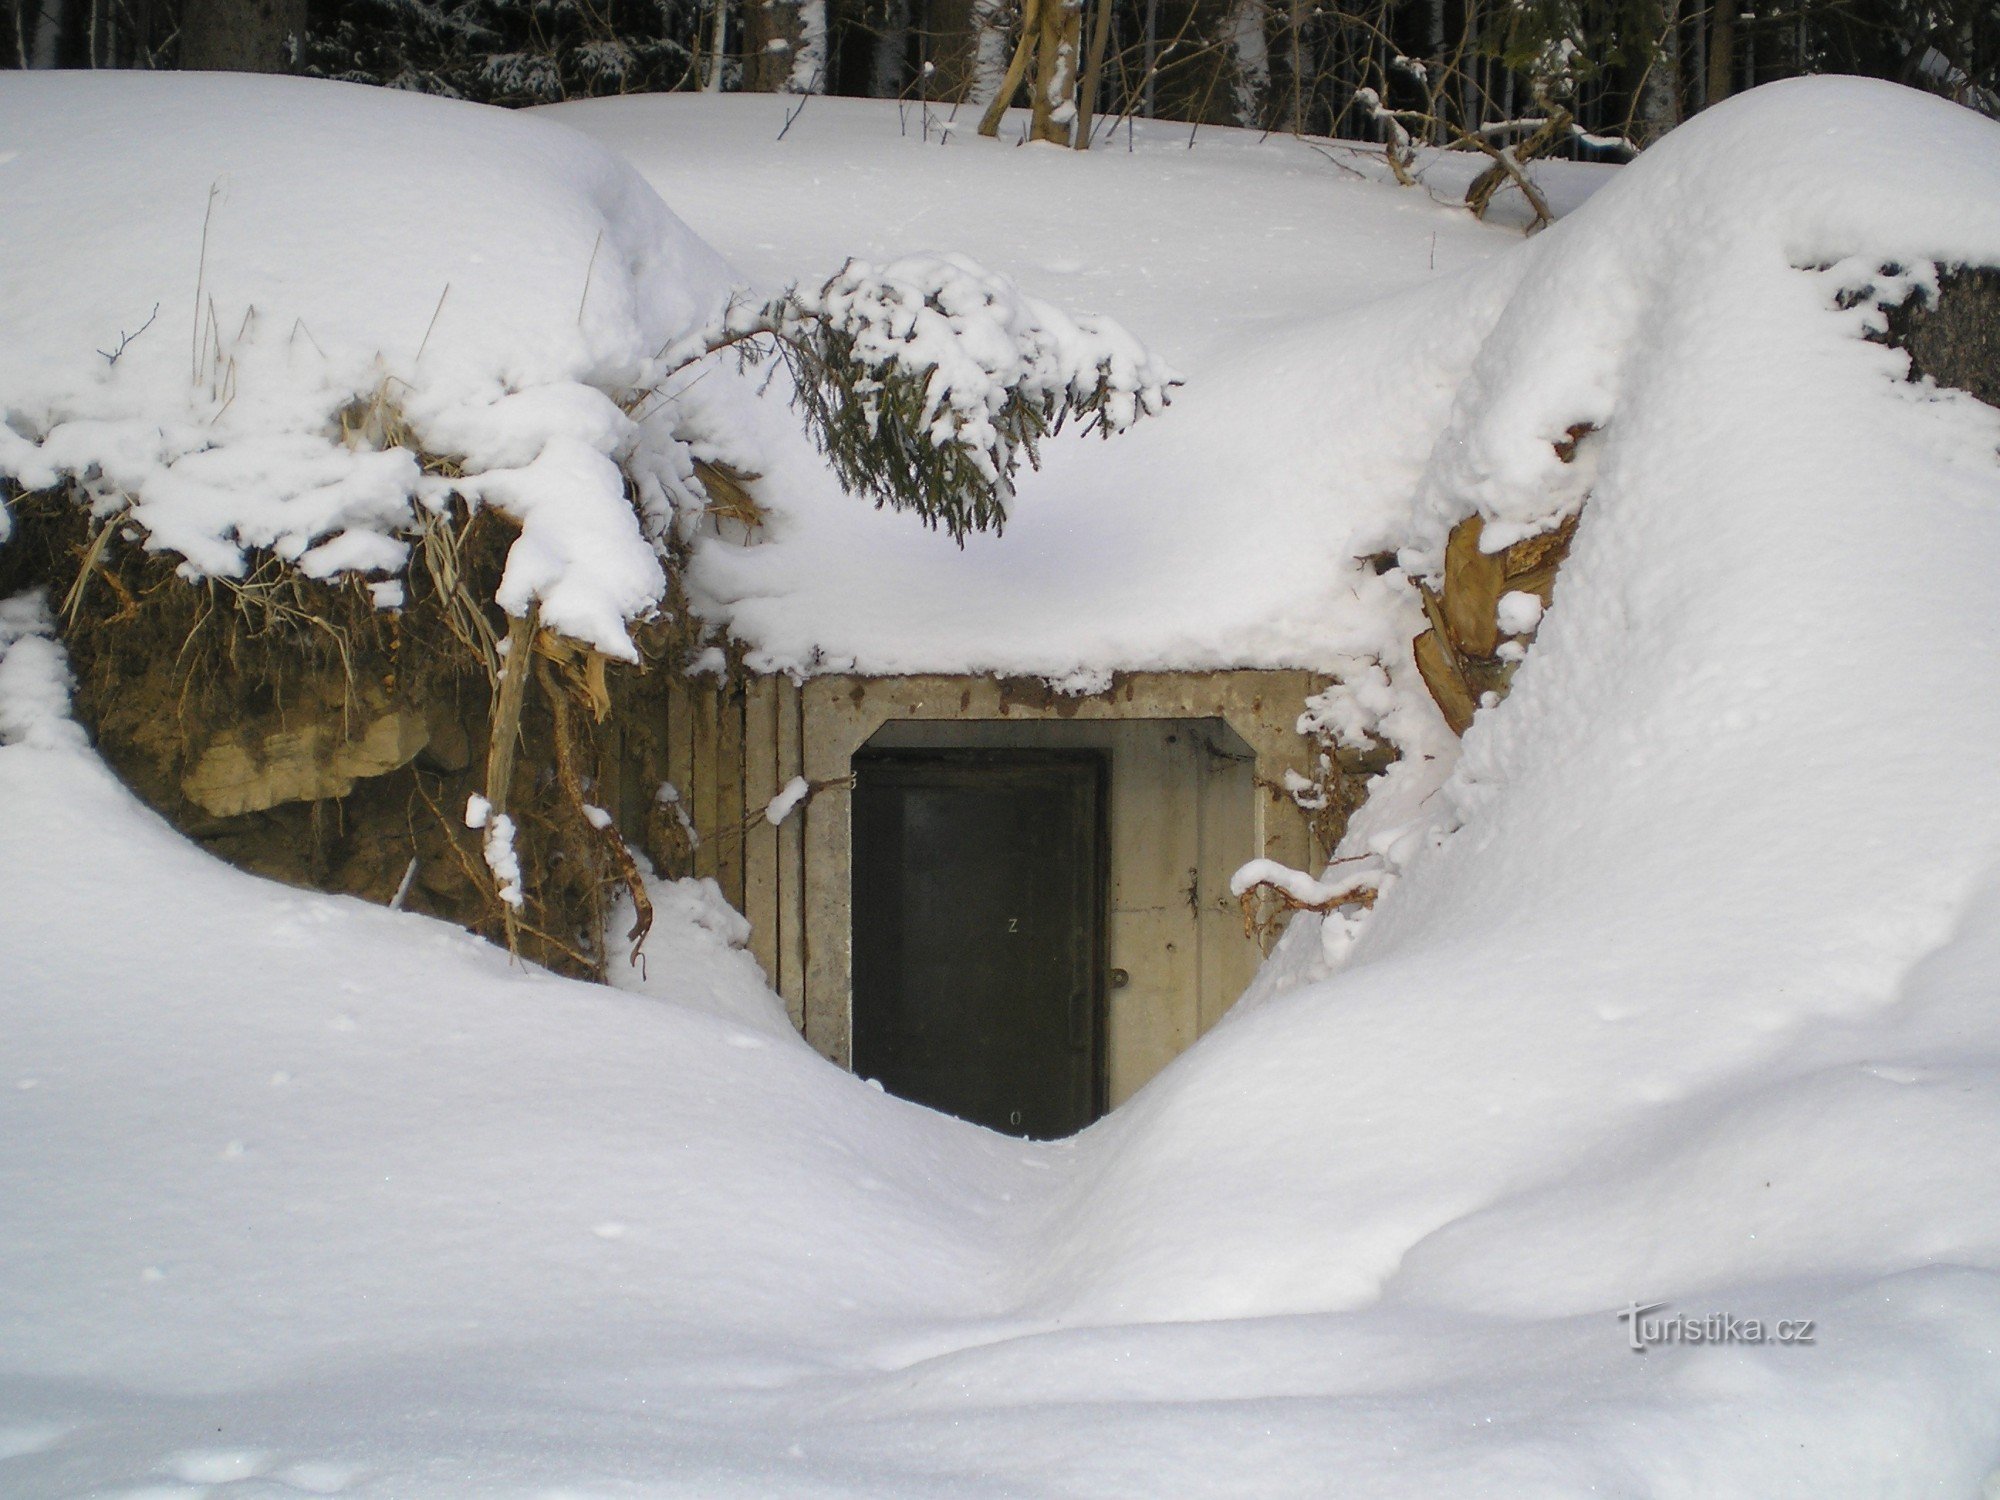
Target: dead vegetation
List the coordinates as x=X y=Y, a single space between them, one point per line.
x=1267 y=904
x=300 y=730
x=1464 y=657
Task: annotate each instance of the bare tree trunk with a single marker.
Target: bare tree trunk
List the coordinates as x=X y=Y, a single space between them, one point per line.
x=1722 y=52
x=770 y=39
x=1024 y=48
x=808 y=75
x=1298 y=60
x=885 y=69
x=774 y=33
x=1434 y=72
x=1249 y=50
x=1093 y=70
x=1659 y=102
x=1151 y=61
x=142 y=35
x=989 y=55
x=1468 y=88
x=719 y=40
x=1054 y=91
x=240 y=36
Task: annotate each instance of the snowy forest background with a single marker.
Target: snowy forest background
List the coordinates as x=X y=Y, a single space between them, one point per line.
x=1589 y=78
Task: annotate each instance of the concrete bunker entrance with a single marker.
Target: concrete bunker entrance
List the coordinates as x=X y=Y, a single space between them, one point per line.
x=1108 y=845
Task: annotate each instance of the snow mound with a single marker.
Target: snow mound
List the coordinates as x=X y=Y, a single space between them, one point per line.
x=280 y=1136
x=239 y=309
x=1673 y=996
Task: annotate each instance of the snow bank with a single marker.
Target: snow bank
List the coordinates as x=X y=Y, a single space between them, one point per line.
x=1673 y=996
x=255 y=1139
x=225 y=296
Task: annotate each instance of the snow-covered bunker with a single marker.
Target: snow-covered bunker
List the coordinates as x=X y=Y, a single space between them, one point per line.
x=488 y=441
x=1056 y=864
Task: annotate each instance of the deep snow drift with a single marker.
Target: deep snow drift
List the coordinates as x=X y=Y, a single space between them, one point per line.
x=1682 y=991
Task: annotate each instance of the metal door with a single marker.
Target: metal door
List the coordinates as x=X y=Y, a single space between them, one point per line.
x=979 y=889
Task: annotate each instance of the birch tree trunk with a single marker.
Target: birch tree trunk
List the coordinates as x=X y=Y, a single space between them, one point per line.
x=718 y=40
x=1024 y=49
x=1659 y=102
x=1249 y=50
x=989 y=55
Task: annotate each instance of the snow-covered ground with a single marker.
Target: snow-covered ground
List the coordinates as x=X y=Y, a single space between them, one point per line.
x=1682 y=991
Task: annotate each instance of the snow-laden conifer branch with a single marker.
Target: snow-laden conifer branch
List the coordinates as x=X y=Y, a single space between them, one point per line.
x=928 y=380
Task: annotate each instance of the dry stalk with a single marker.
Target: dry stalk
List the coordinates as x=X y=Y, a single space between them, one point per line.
x=755 y=816
x=476 y=873
x=506 y=733
x=586 y=664
x=482 y=881
x=1256 y=928
x=92 y=555
x=608 y=837
x=729 y=494
x=440 y=546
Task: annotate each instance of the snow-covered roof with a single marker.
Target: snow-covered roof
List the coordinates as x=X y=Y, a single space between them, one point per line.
x=1219 y=534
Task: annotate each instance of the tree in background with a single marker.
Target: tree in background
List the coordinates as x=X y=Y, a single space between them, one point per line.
x=1615 y=74
x=512 y=51
x=240 y=36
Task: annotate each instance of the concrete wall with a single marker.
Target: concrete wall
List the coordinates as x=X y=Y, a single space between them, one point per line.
x=1198 y=761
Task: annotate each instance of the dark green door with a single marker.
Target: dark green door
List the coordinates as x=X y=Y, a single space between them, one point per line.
x=979 y=883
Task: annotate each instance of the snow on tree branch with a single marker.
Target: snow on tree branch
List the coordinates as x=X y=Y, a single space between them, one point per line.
x=928 y=380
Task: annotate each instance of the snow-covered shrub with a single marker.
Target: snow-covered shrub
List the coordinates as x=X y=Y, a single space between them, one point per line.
x=928 y=380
